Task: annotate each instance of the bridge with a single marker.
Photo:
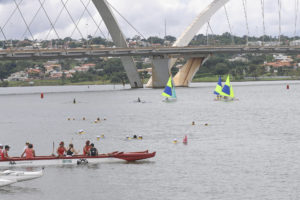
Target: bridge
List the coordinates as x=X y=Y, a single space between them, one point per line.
x=163 y=58
x=171 y=52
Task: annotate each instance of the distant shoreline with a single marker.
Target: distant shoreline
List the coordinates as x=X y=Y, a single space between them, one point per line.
x=101 y=82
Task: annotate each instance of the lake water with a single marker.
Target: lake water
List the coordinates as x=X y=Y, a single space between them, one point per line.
x=249 y=150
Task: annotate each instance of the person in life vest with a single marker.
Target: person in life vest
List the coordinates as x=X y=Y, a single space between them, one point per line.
x=1 y=149
x=86 y=148
x=29 y=151
x=71 y=151
x=61 y=149
x=4 y=154
x=93 y=150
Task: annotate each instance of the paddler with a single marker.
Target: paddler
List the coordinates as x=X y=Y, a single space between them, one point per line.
x=71 y=151
x=29 y=151
x=1 y=149
x=61 y=150
x=4 y=154
x=93 y=150
x=87 y=148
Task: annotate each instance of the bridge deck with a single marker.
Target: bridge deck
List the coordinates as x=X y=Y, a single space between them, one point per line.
x=13 y=54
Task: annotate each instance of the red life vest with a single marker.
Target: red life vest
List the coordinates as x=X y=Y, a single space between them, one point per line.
x=4 y=155
x=86 y=150
x=29 y=153
x=61 y=151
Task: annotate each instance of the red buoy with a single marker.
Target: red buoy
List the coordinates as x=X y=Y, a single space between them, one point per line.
x=42 y=95
x=287 y=86
x=185 y=140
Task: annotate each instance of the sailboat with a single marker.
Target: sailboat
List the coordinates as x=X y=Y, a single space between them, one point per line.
x=169 y=91
x=226 y=93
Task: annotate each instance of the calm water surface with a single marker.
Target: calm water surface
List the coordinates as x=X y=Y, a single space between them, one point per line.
x=249 y=150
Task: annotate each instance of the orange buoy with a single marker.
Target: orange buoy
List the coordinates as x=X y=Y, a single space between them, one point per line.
x=287 y=86
x=42 y=95
x=185 y=140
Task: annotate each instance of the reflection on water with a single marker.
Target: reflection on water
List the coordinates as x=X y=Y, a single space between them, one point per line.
x=249 y=150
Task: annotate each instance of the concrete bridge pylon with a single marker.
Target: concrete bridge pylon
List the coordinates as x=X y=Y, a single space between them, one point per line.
x=187 y=72
x=119 y=40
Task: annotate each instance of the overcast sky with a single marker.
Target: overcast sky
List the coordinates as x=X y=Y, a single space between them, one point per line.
x=146 y=16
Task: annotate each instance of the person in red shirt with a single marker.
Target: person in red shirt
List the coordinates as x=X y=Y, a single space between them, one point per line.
x=86 y=148
x=61 y=150
x=1 y=149
x=4 y=154
x=29 y=151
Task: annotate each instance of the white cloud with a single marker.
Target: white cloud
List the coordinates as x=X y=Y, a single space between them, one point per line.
x=148 y=17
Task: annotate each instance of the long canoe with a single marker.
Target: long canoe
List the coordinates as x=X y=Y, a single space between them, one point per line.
x=77 y=159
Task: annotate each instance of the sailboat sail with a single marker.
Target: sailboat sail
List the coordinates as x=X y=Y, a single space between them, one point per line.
x=218 y=89
x=169 y=91
x=227 y=89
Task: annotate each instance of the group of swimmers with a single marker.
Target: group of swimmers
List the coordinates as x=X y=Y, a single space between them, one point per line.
x=134 y=137
x=88 y=150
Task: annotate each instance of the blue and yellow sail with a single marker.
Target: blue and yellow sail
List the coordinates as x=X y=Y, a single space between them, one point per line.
x=218 y=89
x=227 y=90
x=169 y=91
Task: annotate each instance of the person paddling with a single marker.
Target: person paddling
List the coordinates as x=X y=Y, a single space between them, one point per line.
x=93 y=150
x=71 y=151
x=4 y=154
x=29 y=151
x=61 y=149
x=86 y=148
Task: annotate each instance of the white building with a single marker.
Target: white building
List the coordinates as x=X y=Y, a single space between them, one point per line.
x=18 y=76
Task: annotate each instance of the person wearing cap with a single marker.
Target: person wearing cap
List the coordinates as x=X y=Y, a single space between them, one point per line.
x=1 y=149
x=61 y=149
x=4 y=154
x=86 y=148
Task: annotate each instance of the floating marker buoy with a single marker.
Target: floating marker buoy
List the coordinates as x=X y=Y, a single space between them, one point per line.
x=175 y=141
x=185 y=140
x=287 y=86
x=193 y=123
x=42 y=95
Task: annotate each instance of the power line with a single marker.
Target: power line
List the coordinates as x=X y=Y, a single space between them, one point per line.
x=263 y=19
x=230 y=29
x=296 y=17
x=126 y=20
x=279 y=15
x=246 y=18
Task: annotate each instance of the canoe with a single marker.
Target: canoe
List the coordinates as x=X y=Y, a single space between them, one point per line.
x=5 y=182
x=20 y=175
x=77 y=159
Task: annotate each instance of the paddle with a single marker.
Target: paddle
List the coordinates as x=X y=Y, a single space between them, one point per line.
x=53 y=149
